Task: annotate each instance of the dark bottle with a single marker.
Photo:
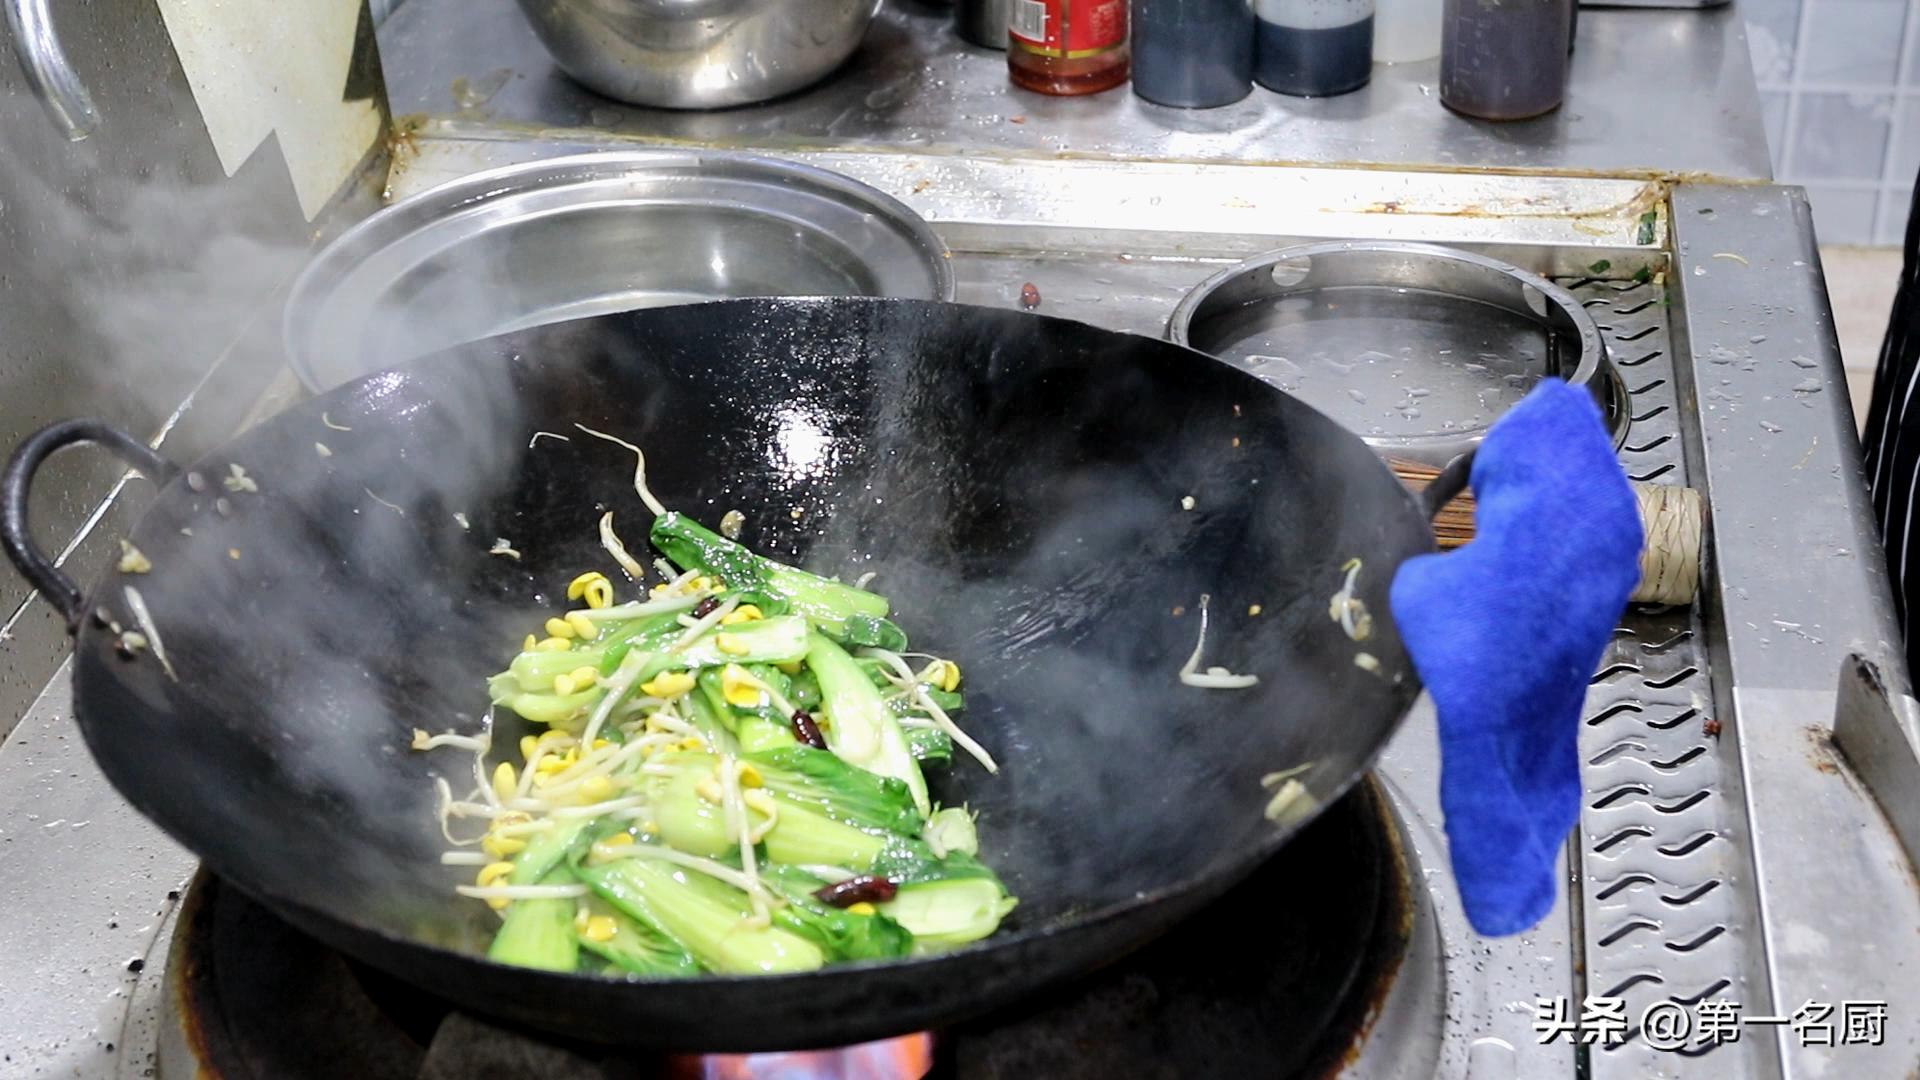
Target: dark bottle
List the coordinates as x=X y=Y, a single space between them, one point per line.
x=1195 y=54
x=1313 y=48
x=1506 y=61
x=983 y=22
x=1067 y=46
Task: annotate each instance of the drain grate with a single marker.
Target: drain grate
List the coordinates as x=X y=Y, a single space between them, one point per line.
x=1664 y=905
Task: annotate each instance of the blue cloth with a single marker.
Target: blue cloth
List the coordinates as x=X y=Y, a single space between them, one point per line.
x=1507 y=631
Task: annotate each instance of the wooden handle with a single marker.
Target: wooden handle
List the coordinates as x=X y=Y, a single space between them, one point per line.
x=1674 y=519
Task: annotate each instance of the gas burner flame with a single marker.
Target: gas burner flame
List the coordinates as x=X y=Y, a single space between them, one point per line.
x=909 y=1057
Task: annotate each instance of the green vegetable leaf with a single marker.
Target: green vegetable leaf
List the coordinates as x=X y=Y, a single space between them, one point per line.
x=872 y=632
x=704 y=917
x=826 y=603
x=930 y=746
x=944 y=915
x=636 y=948
x=845 y=935
x=1647 y=222
x=950 y=701
x=908 y=862
x=863 y=731
x=852 y=796
x=780 y=639
x=952 y=830
x=539 y=933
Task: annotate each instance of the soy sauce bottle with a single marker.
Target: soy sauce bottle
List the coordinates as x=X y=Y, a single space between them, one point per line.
x=1506 y=61
x=1313 y=48
x=1193 y=54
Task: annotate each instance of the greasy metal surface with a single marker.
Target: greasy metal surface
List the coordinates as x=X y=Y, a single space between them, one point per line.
x=1474 y=994
x=1841 y=902
x=915 y=84
x=1799 y=588
x=1666 y=879
x=1651 y=857
x=1416 y=347
x=143 y=1034
x=1405 y=1033
x=699 y=55
x=135 y=271
x=1877 y=729
x=1547 y=225
x=1781 y=459
x=251 y=998
x=84 y=883
x=1666 y=891
x=536 y=243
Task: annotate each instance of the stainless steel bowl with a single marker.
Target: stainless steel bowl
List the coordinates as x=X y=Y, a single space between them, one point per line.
x=699 y=54
x=570 y=237
x=1416 y=348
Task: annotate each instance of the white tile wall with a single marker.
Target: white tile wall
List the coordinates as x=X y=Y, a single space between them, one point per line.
x=1840 y=94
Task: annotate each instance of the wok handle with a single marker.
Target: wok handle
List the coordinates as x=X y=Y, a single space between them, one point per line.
x=16 y=484
x=1442 y=488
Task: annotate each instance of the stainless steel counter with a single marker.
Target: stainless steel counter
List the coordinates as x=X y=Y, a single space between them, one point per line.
x=1724 y=849
x=1653 y=93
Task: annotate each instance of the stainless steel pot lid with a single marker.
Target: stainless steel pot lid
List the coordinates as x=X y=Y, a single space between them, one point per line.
x=1415 y=347
x=569 y=237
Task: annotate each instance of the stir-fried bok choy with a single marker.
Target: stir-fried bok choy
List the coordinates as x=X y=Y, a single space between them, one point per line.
x=729 y=779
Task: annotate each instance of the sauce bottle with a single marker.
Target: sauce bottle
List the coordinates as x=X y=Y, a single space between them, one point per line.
x=1193 y=54
x=1313 y=48
x=1505 y=61
x=1067 y=47
x=983 y=22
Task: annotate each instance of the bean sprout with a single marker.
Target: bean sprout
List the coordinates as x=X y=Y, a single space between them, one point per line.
x=639 y=470
x=138 y=605
x=611 y=541
x=1215 y=678
x=522 y=892
x=1349 y=610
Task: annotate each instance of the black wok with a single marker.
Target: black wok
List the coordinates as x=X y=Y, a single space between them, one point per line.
x=1016 y=484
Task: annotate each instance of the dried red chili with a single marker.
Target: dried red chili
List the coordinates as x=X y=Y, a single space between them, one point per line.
x=859 y=889
x=806 y=730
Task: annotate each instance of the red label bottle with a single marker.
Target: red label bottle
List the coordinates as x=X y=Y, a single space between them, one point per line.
x=1067 y=46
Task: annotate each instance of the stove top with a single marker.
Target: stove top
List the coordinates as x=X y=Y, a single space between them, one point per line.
x=1456 y=1006
x=1713 y=787
x=1280 y=978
